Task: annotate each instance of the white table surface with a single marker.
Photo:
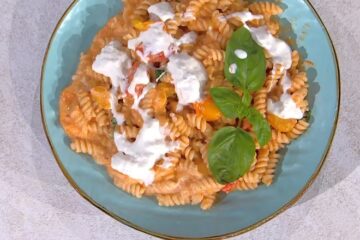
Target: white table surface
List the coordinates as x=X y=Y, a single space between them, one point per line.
x=37 y=202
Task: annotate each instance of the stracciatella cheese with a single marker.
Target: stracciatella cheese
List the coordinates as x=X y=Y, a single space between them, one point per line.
x=154 y=41
x=162 y=11
x=189 y=77
x=279 y=50
x=187 y=38
x=286 y=108
x=114 y=62
x=136 y=159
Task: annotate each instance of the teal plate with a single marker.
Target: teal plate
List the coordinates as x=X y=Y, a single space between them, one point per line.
x=234 y=214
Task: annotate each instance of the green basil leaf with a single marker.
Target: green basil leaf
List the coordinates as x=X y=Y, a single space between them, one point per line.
x=228 y=102
x=260 y=126
x=308 y=116
x=159 y=73
x=250 y=72
x=113 y=122
x=231 y=152
x=246 y=99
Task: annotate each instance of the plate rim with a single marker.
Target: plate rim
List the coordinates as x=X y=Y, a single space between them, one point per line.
x=164 y=236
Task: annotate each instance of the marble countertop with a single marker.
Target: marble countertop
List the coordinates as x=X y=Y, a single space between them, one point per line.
x=37 y=202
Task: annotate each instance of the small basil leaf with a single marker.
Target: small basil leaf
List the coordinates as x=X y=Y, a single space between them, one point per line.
x=228 y=102
x=159 y=73
x=260 y=126
x=308 y=116
x=113 y=122
x=250 y=70
x=231 y=152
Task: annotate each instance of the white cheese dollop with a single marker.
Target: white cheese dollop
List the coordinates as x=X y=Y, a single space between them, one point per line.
x=113 y=62
x=244 y=16
x=233 y=68
x=136 y=159
x=155 y=40
x=187 y=38
x=162 y=10
x=189 y=77
x=277 y=48
x=241 y=54
x=286 y=108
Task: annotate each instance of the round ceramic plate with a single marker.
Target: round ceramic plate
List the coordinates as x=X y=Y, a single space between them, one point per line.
x=235 y=213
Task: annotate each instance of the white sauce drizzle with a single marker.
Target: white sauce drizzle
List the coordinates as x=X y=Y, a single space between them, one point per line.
x=149 y=147
x=162 y=11
x=286 y=108
x=187 y=38
x=244 y=16
x=233 y=68
x=277 y=48
x=114 y=63
x=241 y=54
x=189 y=77
x=155 y=40
x=138 y=158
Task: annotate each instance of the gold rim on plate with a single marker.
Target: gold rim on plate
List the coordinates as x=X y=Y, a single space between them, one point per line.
x=232 y=234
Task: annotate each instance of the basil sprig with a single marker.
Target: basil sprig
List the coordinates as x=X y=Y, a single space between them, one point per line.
x=232 y=150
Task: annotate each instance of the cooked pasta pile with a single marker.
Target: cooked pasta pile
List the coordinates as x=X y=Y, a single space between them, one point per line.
x=88 y=120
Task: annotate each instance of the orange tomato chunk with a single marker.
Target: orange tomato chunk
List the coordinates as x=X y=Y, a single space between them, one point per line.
x=167 y=88
x=101 y=96
x=208 y=110
x=229 y=187
x=280 y=124
x=141 y=25
x=160 y=102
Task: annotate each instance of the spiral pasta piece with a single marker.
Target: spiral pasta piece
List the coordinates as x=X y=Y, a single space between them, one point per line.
x=298 y=130
x=86 y=105
x=140 y=12
x=183 y=127
x=135 y=189
x=295 y=59
x=198 y=122
x=262 y=162
x=208 y=202
x=170 y=200
x=260 y=101
x=130 y=132
x=265 y=8
x=241 y=185
x=269 y=174
x=299 y=81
